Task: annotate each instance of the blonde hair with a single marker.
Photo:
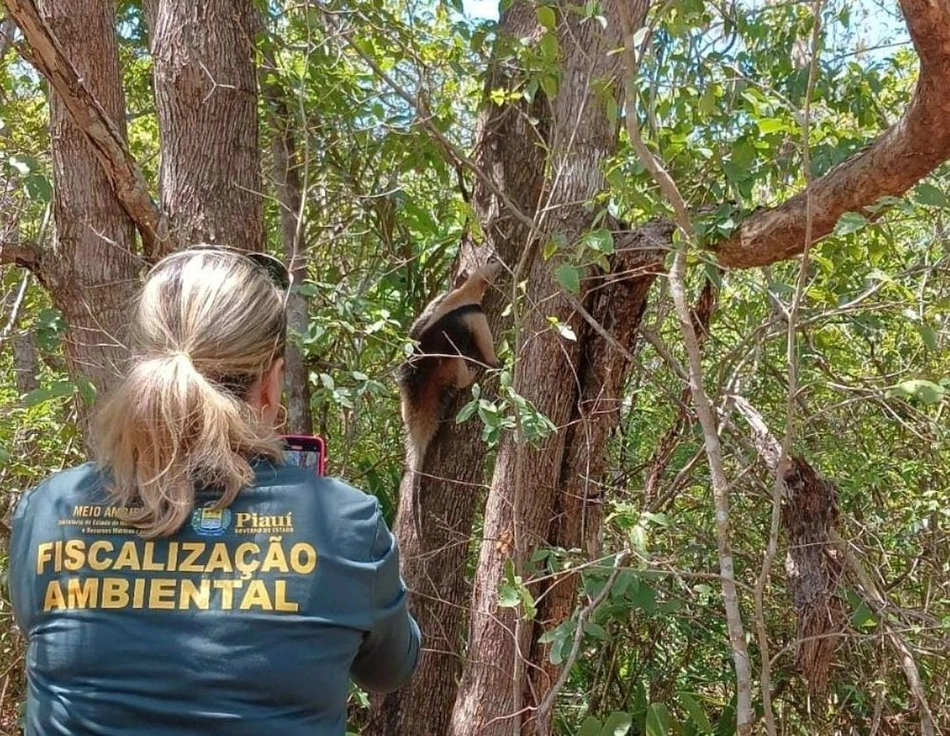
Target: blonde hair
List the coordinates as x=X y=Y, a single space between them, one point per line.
x=207 y=326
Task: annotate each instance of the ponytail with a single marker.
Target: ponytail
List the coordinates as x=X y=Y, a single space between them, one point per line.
x=179 y=421
x=168 y=429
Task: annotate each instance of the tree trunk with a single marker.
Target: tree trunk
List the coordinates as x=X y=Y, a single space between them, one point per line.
x=286 y=174
x=206 y=98
x=25 y=364
x=451 y=487
x=528 y=480
x=90 y=273
x=617 y=302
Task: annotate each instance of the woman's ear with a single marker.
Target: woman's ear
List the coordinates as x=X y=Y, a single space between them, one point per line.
x=273 y=384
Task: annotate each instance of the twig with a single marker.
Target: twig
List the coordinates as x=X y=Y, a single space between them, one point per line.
x=778 y=484
x=15 y=309
x=583 y=615
x=879 y=604
x=744 y=713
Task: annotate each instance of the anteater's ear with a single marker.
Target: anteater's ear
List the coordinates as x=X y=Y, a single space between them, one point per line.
x=460 y=279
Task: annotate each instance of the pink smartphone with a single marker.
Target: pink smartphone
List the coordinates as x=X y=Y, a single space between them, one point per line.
x=306 y=451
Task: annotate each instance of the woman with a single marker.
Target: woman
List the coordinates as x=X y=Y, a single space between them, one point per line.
x=187 y=581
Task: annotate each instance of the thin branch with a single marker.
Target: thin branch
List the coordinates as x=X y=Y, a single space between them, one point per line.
x=15 y=309
x=47 y=55
x=454 y=152
x=778 y=484
x=744 y=712
x=879 y=604
x=900 y=157
x=544 y=709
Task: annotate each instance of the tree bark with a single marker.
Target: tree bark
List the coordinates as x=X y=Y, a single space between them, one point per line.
x=286 y=174
x=206 y=99
x=617 y=302
x=451 y=487
x=527 y=480
x=53 y=55
x=25 y=364
x=90 y=273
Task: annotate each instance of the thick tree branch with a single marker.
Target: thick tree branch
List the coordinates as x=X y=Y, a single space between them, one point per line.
x=19 y=253
x=905 y=153
x=128 y=183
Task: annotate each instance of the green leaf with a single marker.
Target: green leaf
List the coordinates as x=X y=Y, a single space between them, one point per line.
x=743 y=154
x=771 y=125
x=643 y=597
x=466 y=412
x=863 y=617
x=624 y=580
x=658 y=720
x=508 y=596
x=929 y=335
x=569 y=277
x=600 y=240
x=38 y=187
x=618 y=724
x=547 y=17
x=87 y=390
x=56 y=390
x=595 y=630
x=927 y=391
x=590 y=727
x=735 y=173
x=549 y=49
x=850 y=222
x=696 y=712
x=928 y=194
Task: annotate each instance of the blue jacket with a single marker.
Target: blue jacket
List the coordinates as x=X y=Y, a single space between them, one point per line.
x=249 y=620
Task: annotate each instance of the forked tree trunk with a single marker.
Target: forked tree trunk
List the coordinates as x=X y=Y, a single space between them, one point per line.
x=206 y=99
x=453 y=481
x=527 y=480
x=90 y=272
x=616 y=301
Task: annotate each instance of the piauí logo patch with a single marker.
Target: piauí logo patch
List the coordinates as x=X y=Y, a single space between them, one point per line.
x=210 y=522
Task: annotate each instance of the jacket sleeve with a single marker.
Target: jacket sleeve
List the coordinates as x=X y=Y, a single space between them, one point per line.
x=389 y=652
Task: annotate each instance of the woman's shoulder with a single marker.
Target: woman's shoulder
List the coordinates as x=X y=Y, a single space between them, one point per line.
x=338 y=511
x=80 y=482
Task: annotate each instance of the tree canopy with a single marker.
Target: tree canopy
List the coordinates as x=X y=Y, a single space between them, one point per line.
x=708 y=490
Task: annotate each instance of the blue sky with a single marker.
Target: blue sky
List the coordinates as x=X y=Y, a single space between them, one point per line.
x=481 y=8
x=878 y=21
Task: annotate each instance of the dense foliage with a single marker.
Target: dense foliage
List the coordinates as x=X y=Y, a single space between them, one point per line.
x=723 y=88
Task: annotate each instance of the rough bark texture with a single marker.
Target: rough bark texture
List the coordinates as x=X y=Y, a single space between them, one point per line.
x=617 y=302
x=286 y=175
x=527 y=480
x=206 y=98
x=812 y=563
x=25 y=364
x=905 y=153
x=90 y=272
x=809 y=518
x=54 y=53
x=452 y=485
